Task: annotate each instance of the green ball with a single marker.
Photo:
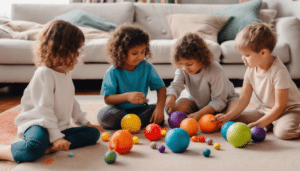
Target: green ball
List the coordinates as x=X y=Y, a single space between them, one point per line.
x=239 y=134
x=110 y=157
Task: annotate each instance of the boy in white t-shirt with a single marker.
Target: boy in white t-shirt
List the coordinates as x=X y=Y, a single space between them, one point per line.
x=269 y=79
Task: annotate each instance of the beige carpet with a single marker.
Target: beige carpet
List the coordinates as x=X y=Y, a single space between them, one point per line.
x=271 y=155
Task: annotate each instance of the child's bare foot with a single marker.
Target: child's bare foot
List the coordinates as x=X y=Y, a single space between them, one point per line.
x=50 y=150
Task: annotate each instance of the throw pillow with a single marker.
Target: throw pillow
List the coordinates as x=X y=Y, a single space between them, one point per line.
x=207 y=26
x=85 y=19
x=243 y=14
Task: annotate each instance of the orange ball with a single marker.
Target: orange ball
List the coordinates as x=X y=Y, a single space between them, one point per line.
x=205 y=123
x=194 y=139
x=121 y=141
x=190 y=125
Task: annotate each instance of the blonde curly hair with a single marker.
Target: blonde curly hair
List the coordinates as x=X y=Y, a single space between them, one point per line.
x=58 y=45
x=125 y=37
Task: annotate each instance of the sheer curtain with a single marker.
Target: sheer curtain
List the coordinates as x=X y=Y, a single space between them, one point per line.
x=5 y=5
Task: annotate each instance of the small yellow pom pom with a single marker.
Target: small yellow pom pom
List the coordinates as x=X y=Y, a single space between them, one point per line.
x=217 y=146
x=135 y=140
x=163 y=133
x=105 y=136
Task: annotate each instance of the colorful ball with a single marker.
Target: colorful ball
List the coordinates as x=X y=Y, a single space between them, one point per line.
x=135 y=140
x=71 y=154
x=110 y=157
x=175 y=119
x=161 y=148
x=239 y=134
x=209 y=141
x=163 y=133
x=258 y=134
x=121 y=141
x=206 y=124
x=153 y=145
x=105 y=136
x=153 y=132
x=177 y=140
x=131 y=122
x=224 y=129
x=217 y=146
x=206 y=152
x=201 y=138
x=194 y=139
x=190 y=125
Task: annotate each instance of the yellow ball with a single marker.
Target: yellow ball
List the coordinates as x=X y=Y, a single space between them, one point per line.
x=105 y=136
x=131 y=122
x=135 y=140
x=163 y=133
x=217 y=146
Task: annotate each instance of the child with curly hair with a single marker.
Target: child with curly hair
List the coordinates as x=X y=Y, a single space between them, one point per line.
x=209 y=89
x=48 y=101
x=269 y=79
x=126 y=83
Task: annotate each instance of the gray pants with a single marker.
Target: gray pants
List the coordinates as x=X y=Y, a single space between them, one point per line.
x=285 y=127
x=110 y=117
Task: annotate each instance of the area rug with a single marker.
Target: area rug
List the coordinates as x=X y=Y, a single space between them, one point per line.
x=271 y=155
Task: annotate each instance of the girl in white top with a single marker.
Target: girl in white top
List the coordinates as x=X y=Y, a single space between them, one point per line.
x=48 y=101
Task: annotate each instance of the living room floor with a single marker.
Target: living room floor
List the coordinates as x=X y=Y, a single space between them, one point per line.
x=11 y=94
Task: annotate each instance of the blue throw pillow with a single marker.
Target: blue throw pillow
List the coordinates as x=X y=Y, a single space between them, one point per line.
x=85 y=19
x=242 y=15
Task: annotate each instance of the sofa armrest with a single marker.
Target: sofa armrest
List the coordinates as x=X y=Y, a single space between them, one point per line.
x=288 y=31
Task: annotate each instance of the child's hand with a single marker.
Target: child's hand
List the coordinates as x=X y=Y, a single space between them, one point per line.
x=61 y=144
x=136 y=97
x=99 y=127
x=194 y=116
x=157 y=116
x=250 y=125
x=170 y=106
x=221 y=117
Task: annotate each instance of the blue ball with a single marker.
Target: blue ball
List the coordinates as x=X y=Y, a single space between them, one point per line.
x=110 y=157
x=225 y=127
x=206 y=152
x=177 y=140
x=71 y=155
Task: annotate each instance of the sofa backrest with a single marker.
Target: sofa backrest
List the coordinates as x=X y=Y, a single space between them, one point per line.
x=42 y=13
x=152 y=16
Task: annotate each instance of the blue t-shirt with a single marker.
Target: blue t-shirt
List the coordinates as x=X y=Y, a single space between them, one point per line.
x=119 y=81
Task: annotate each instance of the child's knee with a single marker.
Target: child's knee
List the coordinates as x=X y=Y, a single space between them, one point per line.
x=31 y=151
x=287 y=131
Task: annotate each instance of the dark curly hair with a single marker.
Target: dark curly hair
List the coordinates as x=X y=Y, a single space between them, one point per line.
x=57 y=46
x=192 y=46
x=125 y=37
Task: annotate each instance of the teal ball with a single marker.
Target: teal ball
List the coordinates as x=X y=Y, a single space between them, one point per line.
x=177 y=140
x=206 y=152
x=224 y=129
x=110 y=157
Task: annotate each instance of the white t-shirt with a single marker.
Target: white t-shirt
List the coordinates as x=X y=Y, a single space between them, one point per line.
x=264 y=85
x=49 y=101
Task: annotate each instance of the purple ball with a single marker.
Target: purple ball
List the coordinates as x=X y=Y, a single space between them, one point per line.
x=176 y=118
x=258 y=134
x=161 y=148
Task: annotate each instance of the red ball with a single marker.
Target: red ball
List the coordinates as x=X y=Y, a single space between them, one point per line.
x=201 y=138
x=153 y=132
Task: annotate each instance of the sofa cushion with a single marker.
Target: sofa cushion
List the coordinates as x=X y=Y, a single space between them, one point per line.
x=243 y=14
x=207 y=26
x=93 y=51
x=86 y=19
x=231 y=56
x=161 y=50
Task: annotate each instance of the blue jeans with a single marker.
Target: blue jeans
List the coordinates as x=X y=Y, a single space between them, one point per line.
x=36 y=141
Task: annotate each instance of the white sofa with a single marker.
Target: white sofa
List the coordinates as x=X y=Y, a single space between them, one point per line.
x=16 y=65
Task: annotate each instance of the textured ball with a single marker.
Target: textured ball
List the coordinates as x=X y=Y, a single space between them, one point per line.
x=110 y=157
x=121 y=142
x=194 y=139
x=217 y=146
x=209 y=141
x=71 y=154
x=105 y=136
x=131 y=122
x=258 y=134
x=190 y=125
x=239 y=134
x=153 y=145
x=153 y=132
x=163 y=133
x=224 y=129
x=206 y=152
x=175 y=119
x=201 y=138
x=205 y=123
x=177 y=140
x=161 y=148
x=135 y=140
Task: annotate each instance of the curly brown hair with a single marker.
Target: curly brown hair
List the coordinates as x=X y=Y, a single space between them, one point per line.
x=256 y=36
x=125 y=37
x=57 y=46
x=191 y=46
